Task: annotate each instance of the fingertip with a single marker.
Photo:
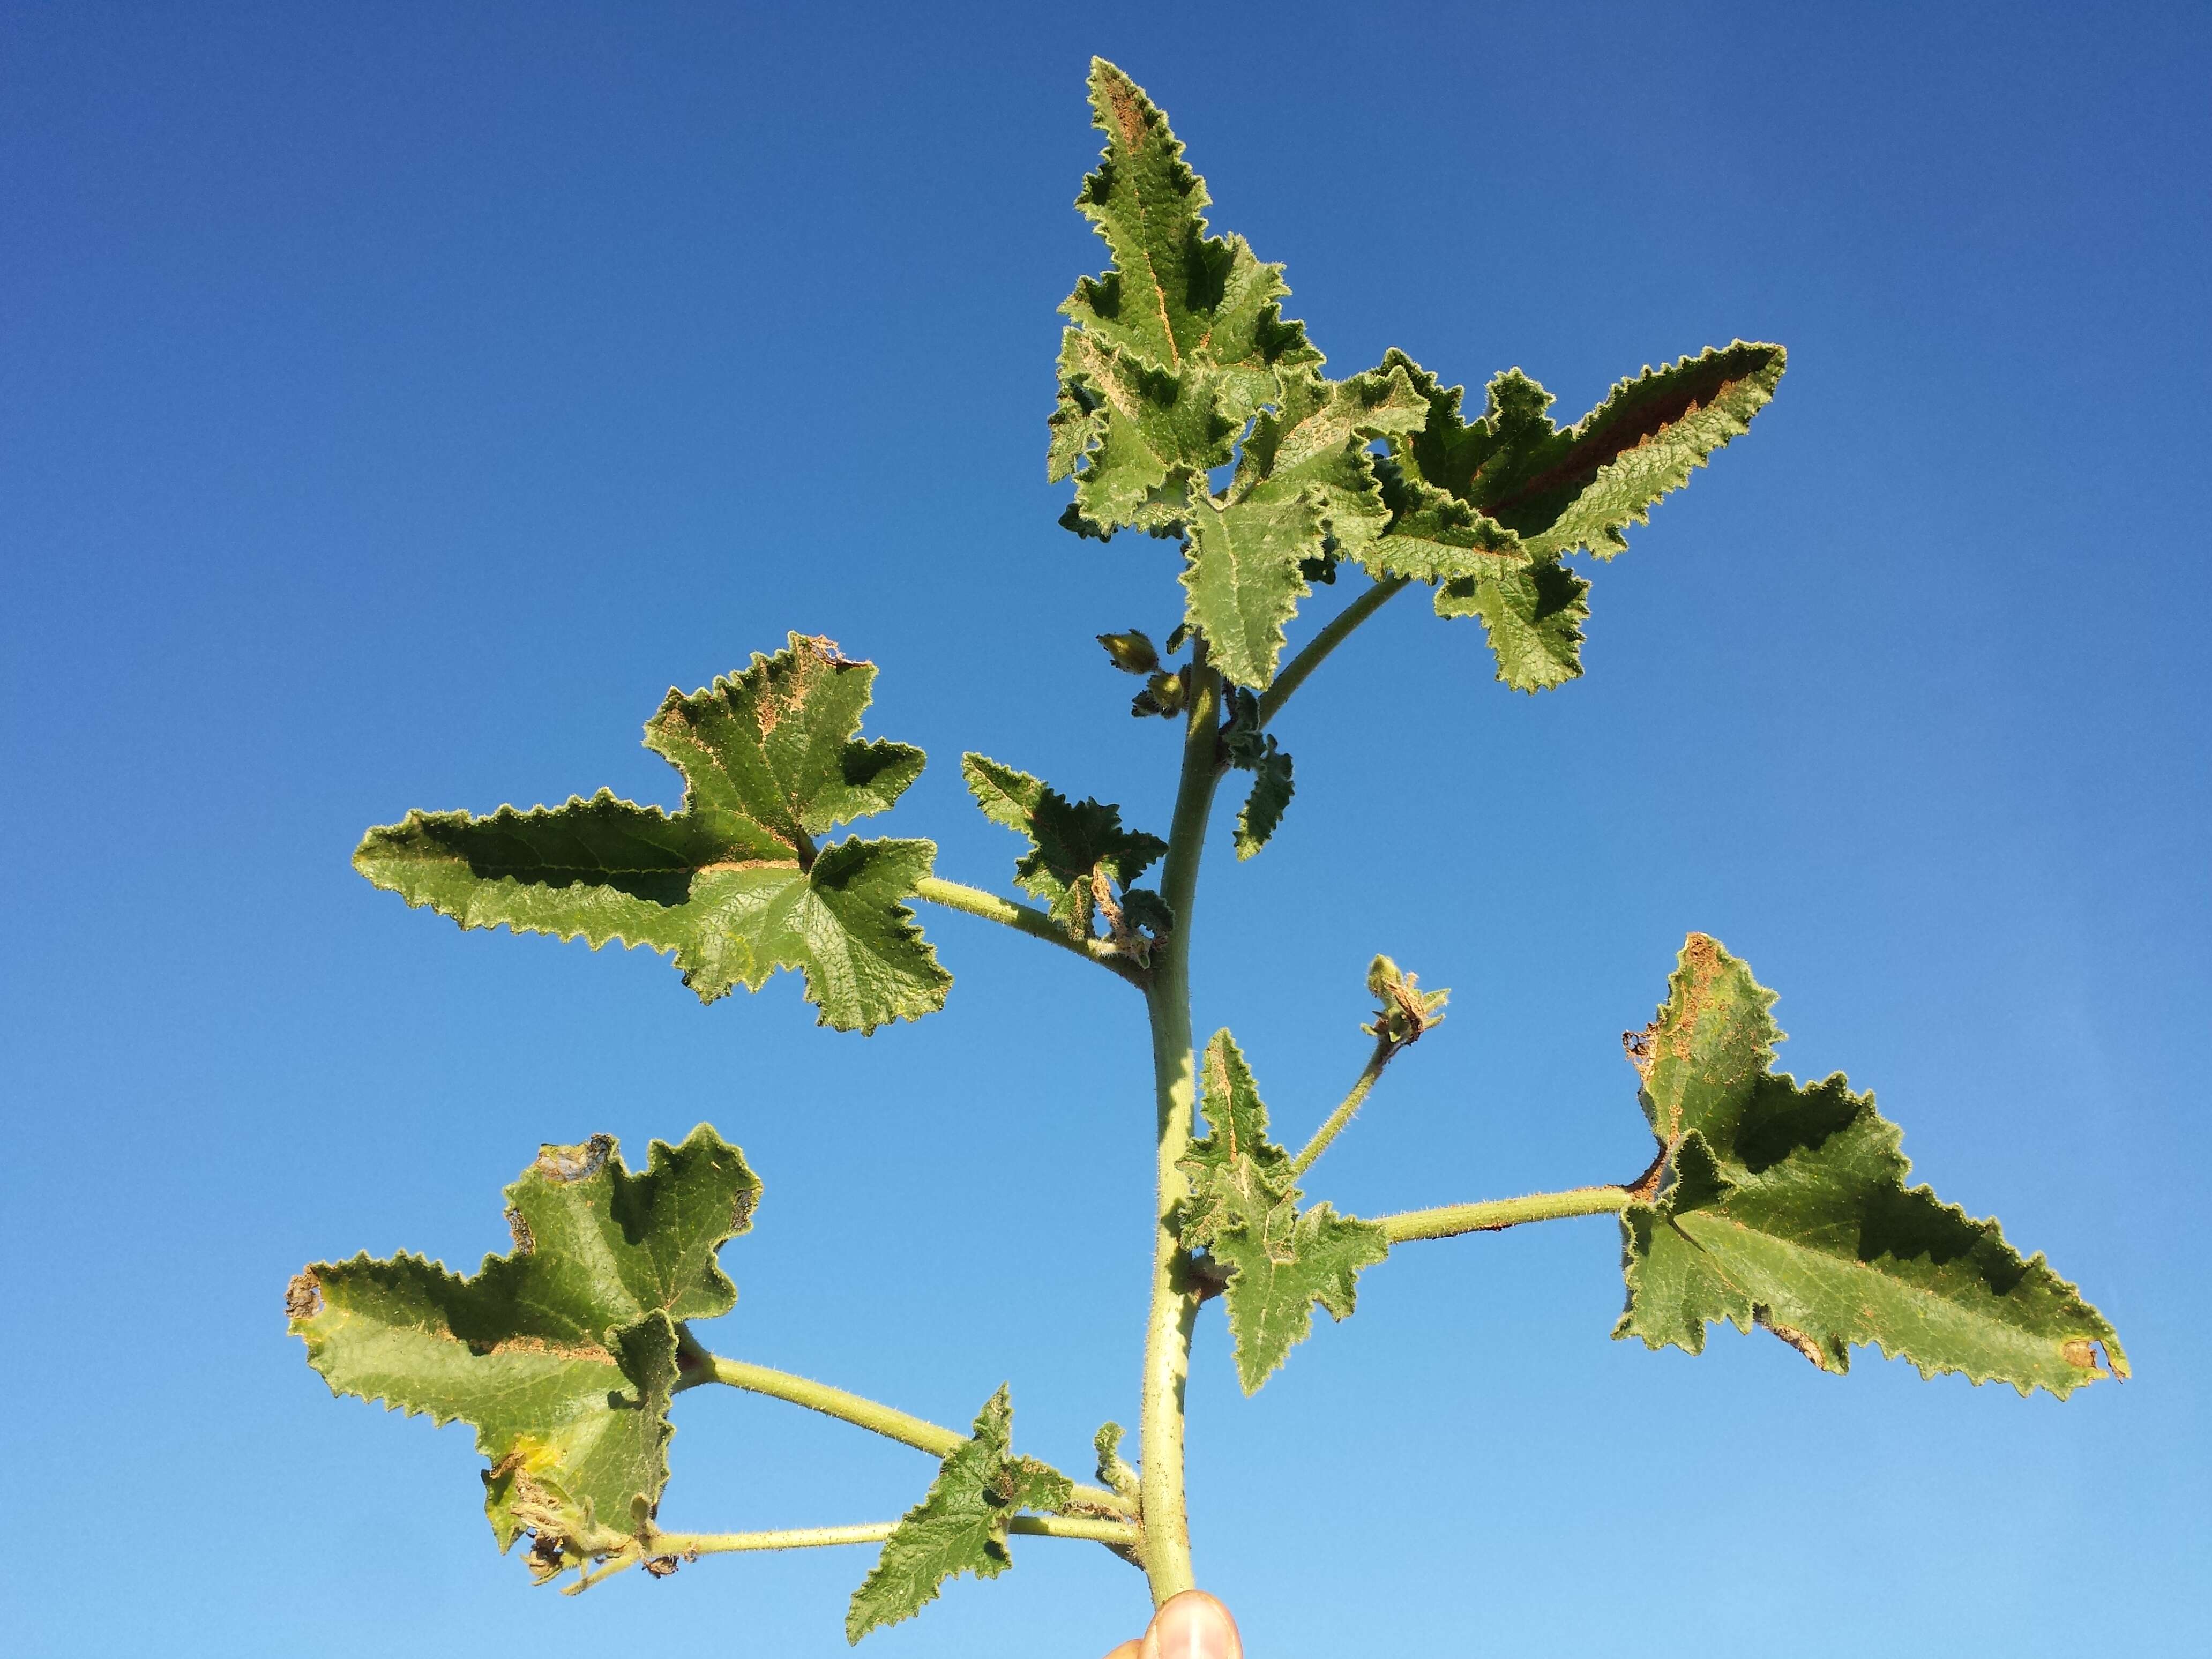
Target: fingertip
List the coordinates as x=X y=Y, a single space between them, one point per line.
x=1129 y=1650
x=1191 y=1625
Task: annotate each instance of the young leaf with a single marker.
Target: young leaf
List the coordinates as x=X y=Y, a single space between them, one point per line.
x=1263 y=808
x=1173 y=350
x=1068 y=841
x=561 y=1354
x=1243 y=1212
x=732 y=884
x=960 y=1525
x=1785 y=1205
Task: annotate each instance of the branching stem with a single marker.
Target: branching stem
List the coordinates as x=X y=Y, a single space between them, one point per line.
x=1174 y=1299
x=1317 y=649
x=1342 y=1115
x=700 y=1366
x=1492 y=1215
x=1026 y=919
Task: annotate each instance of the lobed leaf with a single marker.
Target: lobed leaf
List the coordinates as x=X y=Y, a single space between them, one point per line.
x=1304 y=491
x=1069 y=841
x=1172 y=351
x=960 y=1525
x=1243 y=1212
x=1486 y=510
x=561 y=1354
x=1785 y=1205
x=733 y=885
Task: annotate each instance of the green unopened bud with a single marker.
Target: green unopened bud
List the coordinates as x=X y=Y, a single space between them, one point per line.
x=1406 y=1010
x=1132 y=651
x=1166 y=691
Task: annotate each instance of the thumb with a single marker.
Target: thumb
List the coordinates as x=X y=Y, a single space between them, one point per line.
x=1192 y=1625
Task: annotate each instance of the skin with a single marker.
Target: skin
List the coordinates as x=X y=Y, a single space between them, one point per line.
x=1191 y=1625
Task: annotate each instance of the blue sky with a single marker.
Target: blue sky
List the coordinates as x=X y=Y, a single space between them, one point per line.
x=397 y=404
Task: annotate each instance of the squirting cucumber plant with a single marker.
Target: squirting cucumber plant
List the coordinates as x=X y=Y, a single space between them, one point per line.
x=1190 y=408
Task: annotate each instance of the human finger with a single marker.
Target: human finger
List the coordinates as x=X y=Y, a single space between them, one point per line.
x=1192 y=1625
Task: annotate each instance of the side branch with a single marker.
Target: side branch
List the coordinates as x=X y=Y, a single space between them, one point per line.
x=1342 y=1115
x=700 y=1366
x=1294 y=672
x=1493 y=1215
x=1025 y=919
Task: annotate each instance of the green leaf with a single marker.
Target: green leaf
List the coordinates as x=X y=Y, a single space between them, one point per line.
x=1263 y=808
x=1533 y=615
x=734 y=884
x=1243 y=1212
x=1113 y=1474
x=1557 y=489
x=1304 y=488
x=1068 y=841
x=1486 y=510
x=1173 y=350
x=960 y=1525
x=1785 y=1205
x=561 y=1354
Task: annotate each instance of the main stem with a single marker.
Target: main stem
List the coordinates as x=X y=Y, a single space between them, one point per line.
x=1175 y=1299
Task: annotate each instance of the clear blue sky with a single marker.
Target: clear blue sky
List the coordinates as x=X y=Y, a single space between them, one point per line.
x=393 y=405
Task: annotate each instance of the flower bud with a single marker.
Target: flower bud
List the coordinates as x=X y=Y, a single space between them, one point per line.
x=1132 y=651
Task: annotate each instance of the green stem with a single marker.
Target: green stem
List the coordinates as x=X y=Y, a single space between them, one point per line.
x=1024 y=919
x=1342 y=1115
x=856 y=1409
x=1175 y=1299
x=1318 y=648
x=632 y=1551
x=1449 y=1220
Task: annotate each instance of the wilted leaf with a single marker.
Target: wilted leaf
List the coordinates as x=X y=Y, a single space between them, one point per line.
x=562 y=1353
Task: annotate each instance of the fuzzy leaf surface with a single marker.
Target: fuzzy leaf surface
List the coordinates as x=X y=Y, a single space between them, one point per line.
x=1171 y=352
x=561 y=1354
x=960 y=1525
x=1558 y=489
x=1243 y=1212
x=1068 y=840
x=732 y=884
x=1785 y=1205
x=1534 y=614
x=1304 y=491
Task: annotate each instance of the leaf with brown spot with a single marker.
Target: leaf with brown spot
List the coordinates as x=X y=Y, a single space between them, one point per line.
x=1785 y=1205
x=562 y=1353
x=733 y=883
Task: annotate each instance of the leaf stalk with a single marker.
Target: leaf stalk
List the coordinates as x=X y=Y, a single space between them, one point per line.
x=1026 y=919
x=700 y=1366
x=1315 y=650
x=1495 y=1214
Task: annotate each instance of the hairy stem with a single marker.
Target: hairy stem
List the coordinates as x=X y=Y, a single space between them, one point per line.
x=1175 y=1299
x=1318 y=648
x=1449 y=1220
x=700 y=1366
x=1026 y=919
x=1342 y=1115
